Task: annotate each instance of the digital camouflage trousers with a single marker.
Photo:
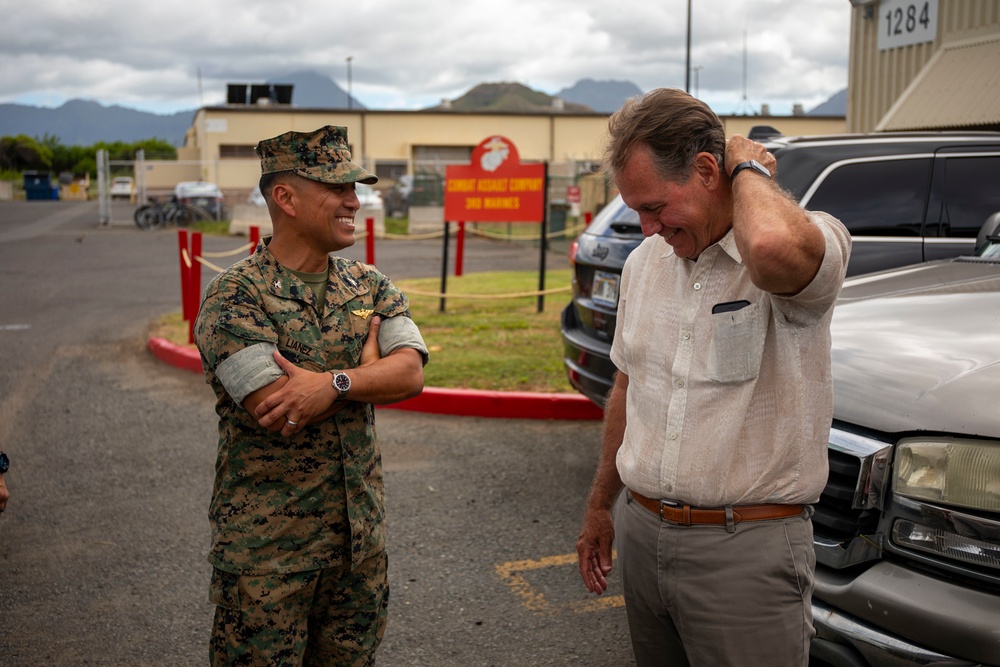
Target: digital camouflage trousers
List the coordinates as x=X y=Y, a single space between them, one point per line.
x=333 y=617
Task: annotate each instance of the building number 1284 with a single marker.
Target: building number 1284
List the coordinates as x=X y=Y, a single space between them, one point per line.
x=904 y=22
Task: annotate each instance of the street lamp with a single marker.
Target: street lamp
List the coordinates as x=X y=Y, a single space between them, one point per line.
x=687 y=57
x=349 y=96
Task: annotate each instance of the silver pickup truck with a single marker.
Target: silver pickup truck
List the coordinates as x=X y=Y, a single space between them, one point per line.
x=907 y=532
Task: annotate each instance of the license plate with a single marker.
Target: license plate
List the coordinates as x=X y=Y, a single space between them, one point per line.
x=605 y=289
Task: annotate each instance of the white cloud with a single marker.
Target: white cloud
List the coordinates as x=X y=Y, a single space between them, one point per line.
x=411 y=54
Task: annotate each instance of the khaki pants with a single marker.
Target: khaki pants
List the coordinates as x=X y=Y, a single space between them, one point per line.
x=700 y=596
x=333 y=617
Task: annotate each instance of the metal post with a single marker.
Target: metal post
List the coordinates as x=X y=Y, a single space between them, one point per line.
x=544 y=240
x=687 y=60
x=140 y=177
x=349 y=100
x=460 y=249
x=444 y=268
x=103 y=195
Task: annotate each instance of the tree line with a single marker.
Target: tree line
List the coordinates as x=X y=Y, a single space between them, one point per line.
x=48 y=154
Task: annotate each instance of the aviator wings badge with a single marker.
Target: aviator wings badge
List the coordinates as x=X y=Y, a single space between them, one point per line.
x=363 y=313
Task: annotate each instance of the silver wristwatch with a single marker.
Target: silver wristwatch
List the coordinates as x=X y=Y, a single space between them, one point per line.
x=342 y=383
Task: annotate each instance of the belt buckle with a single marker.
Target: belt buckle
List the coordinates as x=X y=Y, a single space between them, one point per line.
x=669 y=503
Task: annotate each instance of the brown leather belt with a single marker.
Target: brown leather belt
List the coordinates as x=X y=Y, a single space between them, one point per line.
x=685 y=515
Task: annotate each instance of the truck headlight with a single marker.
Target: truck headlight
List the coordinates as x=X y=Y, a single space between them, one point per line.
x=962 y=473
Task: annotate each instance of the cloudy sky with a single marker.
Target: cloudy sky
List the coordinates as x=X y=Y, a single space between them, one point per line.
x=409 y=54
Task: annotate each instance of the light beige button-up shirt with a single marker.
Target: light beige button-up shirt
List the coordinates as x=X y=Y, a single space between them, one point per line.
x=732 y=408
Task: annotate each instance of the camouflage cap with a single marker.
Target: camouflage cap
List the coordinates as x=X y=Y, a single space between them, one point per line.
x=321 y=155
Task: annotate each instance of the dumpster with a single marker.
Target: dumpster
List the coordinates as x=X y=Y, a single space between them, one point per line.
x=37 y=185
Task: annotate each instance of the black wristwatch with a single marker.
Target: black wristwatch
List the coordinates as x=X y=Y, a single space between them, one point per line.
x=342 y=383
x=752 y=165
x=4 y=464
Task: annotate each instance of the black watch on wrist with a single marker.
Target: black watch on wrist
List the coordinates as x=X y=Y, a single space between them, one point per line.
x=4 y=464
x=342 y=383
x=752 y=165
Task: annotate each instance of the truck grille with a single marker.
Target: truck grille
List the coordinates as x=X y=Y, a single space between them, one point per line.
x=836 y=517
x=850 y=503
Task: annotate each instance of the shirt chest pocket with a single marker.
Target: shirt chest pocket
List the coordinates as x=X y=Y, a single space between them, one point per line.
x=737 y=345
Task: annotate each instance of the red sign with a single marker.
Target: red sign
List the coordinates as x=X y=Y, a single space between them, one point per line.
x=496 y=187
x=573 y=194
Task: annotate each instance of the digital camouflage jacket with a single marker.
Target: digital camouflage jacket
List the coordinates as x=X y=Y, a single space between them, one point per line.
x=316 y=498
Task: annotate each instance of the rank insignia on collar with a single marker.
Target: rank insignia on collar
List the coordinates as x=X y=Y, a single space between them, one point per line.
x=363 y=313
x=277 y=284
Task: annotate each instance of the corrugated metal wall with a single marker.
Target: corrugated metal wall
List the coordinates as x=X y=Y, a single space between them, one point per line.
x=876 y=78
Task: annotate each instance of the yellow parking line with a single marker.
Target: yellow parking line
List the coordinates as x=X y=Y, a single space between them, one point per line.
x=532 y=600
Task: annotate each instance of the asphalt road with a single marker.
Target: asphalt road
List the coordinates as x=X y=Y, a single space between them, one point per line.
x=103 y=546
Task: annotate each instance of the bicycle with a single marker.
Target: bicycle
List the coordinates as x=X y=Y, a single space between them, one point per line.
x=156 y=214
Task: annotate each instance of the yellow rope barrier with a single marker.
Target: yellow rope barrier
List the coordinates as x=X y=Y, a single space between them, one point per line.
x=439 y=295
x=515 y=295
x=416 y=292
x=480 y=232
x=414 y=237
x=205 y=262
x=227 y=253
x=525 y=237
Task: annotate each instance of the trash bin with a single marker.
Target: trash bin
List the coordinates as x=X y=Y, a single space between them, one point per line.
x=37 y=186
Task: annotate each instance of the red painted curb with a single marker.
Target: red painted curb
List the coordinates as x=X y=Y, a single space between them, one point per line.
x=440 y=401
x=181 y=357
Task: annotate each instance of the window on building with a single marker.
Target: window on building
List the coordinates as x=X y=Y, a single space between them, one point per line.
x=237 y=151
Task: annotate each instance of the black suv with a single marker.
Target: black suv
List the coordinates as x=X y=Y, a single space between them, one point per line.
x=905 y=197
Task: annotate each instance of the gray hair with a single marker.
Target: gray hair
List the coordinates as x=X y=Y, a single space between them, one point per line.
x=674 y=125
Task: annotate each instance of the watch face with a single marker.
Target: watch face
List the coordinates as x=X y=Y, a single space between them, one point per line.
x=342 y=381
x=4 y=463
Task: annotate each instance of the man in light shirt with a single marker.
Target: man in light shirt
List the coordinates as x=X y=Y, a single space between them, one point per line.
x=716 y=426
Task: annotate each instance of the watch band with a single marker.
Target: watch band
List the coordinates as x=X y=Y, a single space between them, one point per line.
x=753 y=165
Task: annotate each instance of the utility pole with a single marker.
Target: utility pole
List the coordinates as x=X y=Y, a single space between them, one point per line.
x=350 y=98
x=687 y=59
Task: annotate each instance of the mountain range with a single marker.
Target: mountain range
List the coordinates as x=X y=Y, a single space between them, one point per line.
x=84 y=123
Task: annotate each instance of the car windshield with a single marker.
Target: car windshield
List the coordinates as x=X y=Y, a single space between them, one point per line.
x=991 y=250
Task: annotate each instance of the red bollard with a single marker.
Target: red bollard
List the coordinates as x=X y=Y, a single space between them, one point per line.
x=194 y=283
x=185 y=262
x=254 y=238
x=460 y=249
x=586 y=218
x=370 y=241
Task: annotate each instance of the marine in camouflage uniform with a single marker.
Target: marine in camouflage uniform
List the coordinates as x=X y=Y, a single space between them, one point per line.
x=298 y=543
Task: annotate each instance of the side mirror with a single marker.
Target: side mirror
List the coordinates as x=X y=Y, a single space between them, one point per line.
x=990 y=228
